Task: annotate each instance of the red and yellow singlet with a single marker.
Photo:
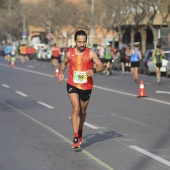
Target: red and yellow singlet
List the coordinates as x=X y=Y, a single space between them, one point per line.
x=78 y=66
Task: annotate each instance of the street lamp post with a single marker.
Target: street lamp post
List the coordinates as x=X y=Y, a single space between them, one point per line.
x=9 y=7
x=49 y=12
x=92 y=22
x=24 y=34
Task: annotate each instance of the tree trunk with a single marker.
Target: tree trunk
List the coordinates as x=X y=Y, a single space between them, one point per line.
x=132 y=33
x=143 y=39
x=155 y=35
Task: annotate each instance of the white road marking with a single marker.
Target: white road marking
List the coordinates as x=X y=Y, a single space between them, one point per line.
x=150 y=155
x=46 y=105
x=116 y=91
x=4 y=85
x=162 y=92
x=20 y=93
x=31 y=71
x=30 y=66
x=89 y=125
x=159 y=101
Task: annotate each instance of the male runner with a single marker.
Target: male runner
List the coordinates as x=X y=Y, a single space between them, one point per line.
x=80 y=83
x=157 y=55
x=136 y=56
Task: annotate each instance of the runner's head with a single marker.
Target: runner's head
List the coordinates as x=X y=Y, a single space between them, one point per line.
x=80 y=40
x=158 y=46
x=136 y=44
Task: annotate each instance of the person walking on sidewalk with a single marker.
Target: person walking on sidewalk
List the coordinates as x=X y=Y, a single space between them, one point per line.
x=136 y=56
x=81 y=62
x=157 y=55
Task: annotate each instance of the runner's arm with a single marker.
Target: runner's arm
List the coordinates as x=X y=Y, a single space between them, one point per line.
x=162 y=53
x=62 y=68
x=99 y=65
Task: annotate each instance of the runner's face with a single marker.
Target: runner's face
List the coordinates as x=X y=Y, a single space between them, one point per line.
x=81 y=43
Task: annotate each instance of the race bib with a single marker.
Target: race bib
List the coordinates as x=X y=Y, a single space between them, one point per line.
x=80 y=77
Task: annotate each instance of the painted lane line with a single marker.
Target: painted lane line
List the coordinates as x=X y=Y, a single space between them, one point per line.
x=106 y=166
x=89 y=125
x=26 y=70
x=46 y=105
x=158 y=101
x=20 y=93
x=162 y=92
x=4 y=85
x=150 y=155
x=129 y=94
x=31 y=71
x=30 y=66
x=115 y=91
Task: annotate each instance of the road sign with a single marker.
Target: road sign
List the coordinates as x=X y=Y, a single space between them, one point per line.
x=24 y=35
x=49 y=36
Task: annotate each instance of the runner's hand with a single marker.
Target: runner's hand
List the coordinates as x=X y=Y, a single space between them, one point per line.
x=89 y=73
x=61 y=78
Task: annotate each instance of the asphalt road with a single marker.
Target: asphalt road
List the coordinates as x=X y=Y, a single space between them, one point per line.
x=122 y=132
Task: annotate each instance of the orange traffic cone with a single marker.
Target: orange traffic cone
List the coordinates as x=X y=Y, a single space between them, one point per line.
x=12 y=63
x=56 y=72
x=142 y=92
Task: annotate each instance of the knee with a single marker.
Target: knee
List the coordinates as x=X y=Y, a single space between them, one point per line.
x=76 y=110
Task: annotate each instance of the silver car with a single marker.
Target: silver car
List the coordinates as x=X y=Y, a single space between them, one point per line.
x=168 y=68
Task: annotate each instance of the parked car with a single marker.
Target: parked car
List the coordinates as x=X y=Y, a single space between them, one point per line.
x=143 y=63
x=151 y=66
x=43 y=53
x=168 y=68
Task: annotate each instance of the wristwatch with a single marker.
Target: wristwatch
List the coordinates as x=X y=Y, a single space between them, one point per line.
x=94 y=70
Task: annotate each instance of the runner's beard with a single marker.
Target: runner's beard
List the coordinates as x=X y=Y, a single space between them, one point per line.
x=81 y=49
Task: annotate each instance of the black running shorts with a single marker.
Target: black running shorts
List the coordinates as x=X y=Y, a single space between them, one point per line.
x=159 y=65
x=134 y=64
x=84 y=95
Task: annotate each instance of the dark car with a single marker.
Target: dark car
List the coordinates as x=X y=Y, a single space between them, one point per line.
x=145 y=59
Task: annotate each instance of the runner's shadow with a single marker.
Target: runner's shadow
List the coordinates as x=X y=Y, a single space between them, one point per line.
x=99 y=137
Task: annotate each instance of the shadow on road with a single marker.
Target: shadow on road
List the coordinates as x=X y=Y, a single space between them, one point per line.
x=99 y=137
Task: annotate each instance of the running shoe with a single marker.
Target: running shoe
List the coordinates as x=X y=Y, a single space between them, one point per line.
x=136 y=81
x=80 y=139
x=158 y=80
x=80 y=136
x=76 y=143
x=107 y=73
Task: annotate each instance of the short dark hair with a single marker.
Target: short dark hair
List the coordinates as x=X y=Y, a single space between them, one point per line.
x=80 y=32
x=158 y=45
